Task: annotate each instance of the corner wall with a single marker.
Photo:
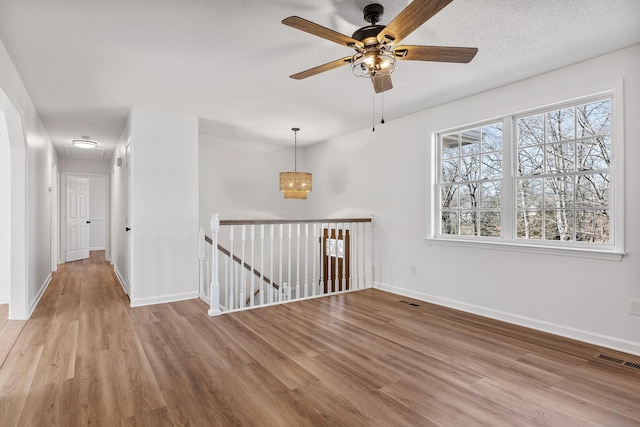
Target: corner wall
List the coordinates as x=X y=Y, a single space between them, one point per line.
x=163 y=206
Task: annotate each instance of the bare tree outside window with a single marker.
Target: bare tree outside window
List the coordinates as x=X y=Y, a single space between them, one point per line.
x=470 y=181
x=563 y=169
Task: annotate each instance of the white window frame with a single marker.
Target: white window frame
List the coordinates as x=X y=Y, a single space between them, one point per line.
x=611 y=251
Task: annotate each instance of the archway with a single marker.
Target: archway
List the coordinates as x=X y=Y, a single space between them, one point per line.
x=14 y=191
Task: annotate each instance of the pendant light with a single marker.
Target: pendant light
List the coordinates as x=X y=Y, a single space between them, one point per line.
x=295 y=185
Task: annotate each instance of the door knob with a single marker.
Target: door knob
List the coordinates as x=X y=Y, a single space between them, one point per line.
x=127 y=229
x=88 y=222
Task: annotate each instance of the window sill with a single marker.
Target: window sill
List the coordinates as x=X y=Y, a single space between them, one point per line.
x=606 y=255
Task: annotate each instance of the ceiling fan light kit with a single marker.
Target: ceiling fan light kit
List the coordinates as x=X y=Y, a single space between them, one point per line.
x=376 y=45
x=295 y=185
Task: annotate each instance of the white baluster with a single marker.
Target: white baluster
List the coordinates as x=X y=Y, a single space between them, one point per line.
x=371 y=252
x=253 y=265
x=262 y=264
x=298 y=263
x=226 y=282
x=281 y=290
x=335 y=260
x=314 y=284
x=306 y=259
x=344 y=256
x=214 y=293
x=271 y=289
x=356 y=254
x=207 y=270
x=289 y=267
x=323 y=248
x=243 y=273
x=347 y=260
x=233 y=272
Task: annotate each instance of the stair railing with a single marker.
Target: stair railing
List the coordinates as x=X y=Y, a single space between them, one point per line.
x=308 y=258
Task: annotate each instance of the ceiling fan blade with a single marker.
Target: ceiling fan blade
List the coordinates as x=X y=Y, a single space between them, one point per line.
x=436 y=53
x=415 y=14
x=381 y=83
x=320 y=31
x=321 y=68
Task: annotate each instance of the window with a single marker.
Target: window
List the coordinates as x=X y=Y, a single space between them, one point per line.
x=542 y=177
x=470 y=181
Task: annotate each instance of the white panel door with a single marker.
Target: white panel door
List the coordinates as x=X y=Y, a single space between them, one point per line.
x=77 y=218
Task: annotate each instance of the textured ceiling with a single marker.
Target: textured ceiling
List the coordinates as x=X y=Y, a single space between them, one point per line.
x=85 y=63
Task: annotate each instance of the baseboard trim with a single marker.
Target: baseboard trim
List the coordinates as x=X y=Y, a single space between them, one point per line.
x=120 y=279
x=613 y=343
x=36 y=300
x=162 y=299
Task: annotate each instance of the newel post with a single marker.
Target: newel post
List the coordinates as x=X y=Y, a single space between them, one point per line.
x=214 y=290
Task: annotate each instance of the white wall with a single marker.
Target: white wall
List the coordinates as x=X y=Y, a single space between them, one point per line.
x=387 y=172
x=82 y=166
x=164 y=206
x=240 y=180
x=5 y=203
x=36 y=157
x=98 y=193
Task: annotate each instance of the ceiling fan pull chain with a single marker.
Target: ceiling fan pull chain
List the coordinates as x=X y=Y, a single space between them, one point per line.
x=382 y=111
x=373 y=112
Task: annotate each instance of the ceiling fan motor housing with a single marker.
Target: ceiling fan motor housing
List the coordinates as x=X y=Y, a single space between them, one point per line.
x=368 y=35
x=373 y=13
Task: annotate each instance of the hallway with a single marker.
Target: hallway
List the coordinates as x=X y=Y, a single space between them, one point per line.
x=77 y=360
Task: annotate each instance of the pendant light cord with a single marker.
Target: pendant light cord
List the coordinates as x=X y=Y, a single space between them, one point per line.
x=295 y=149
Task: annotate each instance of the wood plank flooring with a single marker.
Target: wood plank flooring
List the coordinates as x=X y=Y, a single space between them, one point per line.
x=360 y=359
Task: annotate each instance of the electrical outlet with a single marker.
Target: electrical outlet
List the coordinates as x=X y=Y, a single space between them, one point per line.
x=634 y=307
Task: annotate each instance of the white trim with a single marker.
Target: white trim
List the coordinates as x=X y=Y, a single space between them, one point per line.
x=19 y=206
x=614 y=343
x=36 y=300
x=530 y=248
x=120 y=279
x=139 y=302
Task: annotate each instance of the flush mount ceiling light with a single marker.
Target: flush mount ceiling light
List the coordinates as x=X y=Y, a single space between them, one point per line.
x=295 y=185
x=84 y=142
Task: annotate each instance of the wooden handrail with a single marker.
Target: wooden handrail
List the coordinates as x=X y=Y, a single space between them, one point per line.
x=246 y=266
x=290 y=221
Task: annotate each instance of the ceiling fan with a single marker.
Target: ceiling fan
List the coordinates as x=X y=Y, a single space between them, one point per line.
x=377 y=46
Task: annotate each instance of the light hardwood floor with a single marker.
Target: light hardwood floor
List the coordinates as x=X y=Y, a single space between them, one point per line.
x=360 y=359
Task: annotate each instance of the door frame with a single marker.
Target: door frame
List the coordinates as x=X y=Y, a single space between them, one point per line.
x=63 y=210
x=19 y=239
